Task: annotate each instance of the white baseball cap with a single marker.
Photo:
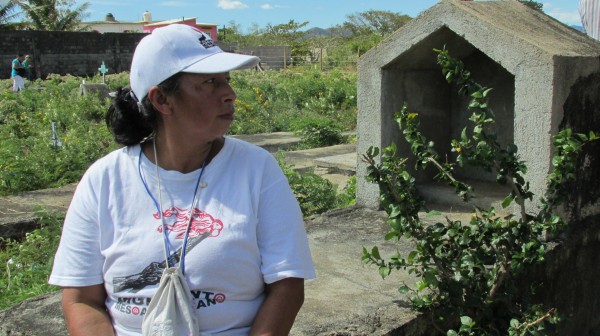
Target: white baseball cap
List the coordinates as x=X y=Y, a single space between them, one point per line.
x=179 y=48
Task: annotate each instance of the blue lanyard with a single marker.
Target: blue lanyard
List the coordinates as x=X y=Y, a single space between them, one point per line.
x=169 y=258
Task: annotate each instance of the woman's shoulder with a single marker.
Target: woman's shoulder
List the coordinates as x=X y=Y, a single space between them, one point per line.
x=241 y=146
x=115 y=160
x=240 y=153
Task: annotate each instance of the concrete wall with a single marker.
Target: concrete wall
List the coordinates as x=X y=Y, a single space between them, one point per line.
x=271 y=57
x=81 y=54
x=72 y=53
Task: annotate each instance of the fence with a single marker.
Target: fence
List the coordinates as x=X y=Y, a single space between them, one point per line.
x=280 y=57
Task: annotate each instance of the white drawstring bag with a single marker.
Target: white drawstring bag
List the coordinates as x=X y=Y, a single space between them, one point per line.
x=170 y=312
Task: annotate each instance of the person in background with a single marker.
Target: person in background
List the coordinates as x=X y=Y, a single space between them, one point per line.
x=211 y=214
x=17 y=73
x=28 y=67
x=589 y=10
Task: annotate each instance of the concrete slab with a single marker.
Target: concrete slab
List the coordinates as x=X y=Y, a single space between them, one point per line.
x=340 y=164
x=272 y=142
x=304 y=160
x=348 y=298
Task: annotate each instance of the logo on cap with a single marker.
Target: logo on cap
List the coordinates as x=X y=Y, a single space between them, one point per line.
x=205 y=42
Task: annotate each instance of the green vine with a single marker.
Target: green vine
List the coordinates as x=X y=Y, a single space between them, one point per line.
x=464 y=268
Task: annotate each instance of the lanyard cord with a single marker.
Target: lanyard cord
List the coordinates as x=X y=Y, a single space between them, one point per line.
x=168 y=258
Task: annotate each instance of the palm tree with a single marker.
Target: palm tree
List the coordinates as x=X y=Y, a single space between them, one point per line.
x=7 y=14
x=54 y=15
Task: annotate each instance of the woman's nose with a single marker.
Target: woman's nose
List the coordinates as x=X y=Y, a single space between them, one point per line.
x=229 y=94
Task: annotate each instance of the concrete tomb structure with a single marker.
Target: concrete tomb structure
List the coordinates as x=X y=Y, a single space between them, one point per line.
x=529 y=59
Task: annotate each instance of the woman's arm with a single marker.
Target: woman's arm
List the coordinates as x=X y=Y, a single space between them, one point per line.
x=278 y=312
x=85 y=311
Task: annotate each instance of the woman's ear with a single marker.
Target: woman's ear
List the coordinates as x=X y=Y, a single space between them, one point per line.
x=159 y=100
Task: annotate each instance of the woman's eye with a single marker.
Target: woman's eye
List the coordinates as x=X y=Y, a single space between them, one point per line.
x=210 y=81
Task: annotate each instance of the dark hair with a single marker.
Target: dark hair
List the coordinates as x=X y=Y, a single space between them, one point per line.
x=128 y=123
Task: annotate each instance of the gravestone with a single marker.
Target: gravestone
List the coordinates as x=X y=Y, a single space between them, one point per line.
x=99 y=89
x=529 y=59
x=545 y=77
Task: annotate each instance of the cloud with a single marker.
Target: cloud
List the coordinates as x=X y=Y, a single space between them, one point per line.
x=268 y=6
x=231 y=4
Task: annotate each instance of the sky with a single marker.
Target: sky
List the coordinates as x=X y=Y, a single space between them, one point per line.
x=252 y=13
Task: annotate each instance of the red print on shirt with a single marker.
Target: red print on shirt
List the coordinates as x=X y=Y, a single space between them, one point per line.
x=201 y=222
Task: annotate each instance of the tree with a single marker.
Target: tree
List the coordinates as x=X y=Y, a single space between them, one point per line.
x=53 y=15
x=233 y=35
x=7 y=14
x=533 y=4
x=285 y=33
x=376 y=22
x=368 y=28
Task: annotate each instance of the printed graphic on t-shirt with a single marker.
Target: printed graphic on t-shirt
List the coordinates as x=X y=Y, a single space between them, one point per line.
x=139 y=306
x=203 y=226
x=201 y=223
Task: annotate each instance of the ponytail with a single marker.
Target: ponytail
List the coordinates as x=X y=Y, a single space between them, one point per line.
x=128 y=119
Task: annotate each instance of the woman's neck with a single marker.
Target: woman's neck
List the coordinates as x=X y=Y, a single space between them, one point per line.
x=182 y=157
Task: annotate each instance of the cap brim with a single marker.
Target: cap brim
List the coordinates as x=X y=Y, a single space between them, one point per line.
x=222 y=62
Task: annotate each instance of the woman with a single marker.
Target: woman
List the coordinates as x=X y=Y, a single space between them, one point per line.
x=28 y=67
x=179 y=182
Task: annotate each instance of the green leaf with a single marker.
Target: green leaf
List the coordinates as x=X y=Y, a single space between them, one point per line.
x=486 y=92
x=508 y=200
x=394 y=211
x=421 y=285
x=430 y=278
x=375 y=253
x=411 y=256
x=391 y=235
x=404 y=289
x=477 y=94
x=466 y=320
x=384 y=271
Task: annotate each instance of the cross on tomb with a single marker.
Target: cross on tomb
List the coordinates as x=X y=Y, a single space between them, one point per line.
x=103 y=70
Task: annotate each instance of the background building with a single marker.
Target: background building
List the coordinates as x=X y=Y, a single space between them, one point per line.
x=147 y=25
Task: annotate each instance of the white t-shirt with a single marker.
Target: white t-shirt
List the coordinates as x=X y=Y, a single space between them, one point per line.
x=247 y=231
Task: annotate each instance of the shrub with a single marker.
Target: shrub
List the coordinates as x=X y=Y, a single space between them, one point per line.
x=314 y=193
x=318 y=132
x=272 y=101
x=30 y=157
x=348 y=195
x=29 y=262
